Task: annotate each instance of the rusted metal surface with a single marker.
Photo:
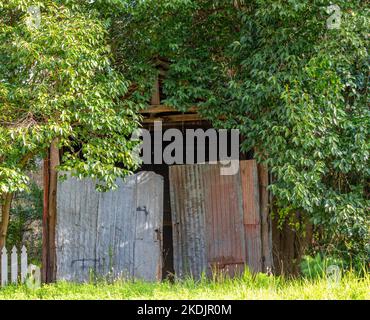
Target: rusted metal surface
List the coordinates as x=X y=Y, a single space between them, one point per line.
x=187 y=207
x=224 y=220
x=117 y=233
x=216 y=219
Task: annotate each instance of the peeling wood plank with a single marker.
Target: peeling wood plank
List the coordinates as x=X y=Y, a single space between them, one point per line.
x=156 y=99
x=251 y=208
x=49 y=213
x=263 y=179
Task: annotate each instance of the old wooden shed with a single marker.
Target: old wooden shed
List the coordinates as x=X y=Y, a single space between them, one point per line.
x=166 y=220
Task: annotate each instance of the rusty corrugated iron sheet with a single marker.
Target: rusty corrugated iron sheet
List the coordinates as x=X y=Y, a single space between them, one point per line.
x=216 y=219
x=187 y=209
x=224 y=220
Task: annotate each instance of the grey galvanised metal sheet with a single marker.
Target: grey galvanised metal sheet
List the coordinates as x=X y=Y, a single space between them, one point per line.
x=117 y=232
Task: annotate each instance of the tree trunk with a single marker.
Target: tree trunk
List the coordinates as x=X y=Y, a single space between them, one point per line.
x=49 y=213
x=7 y=199
x=5 y=216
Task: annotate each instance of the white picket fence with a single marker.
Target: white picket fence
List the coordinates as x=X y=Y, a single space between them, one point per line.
x=15 y=278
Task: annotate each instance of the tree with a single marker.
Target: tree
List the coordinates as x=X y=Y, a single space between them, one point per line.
x=58 y=87
x=295 y=87
x=302 y=94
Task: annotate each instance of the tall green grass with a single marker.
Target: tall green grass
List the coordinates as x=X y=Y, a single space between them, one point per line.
x=246 y=287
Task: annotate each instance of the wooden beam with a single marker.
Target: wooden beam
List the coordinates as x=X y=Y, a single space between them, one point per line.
x=159 y=108
x=175 y=118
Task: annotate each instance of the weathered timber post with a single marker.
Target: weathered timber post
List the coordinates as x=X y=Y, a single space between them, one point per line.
x=49 y=213
x=263 y=177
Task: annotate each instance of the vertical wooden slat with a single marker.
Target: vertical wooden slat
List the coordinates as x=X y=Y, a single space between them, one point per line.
x=54 y=163
x=251 y=208
x=4 y=267
x=263 y=178
x=156 y=99
x=49 y=213
x=14 y=265
x=45 y=232
x=23 y=264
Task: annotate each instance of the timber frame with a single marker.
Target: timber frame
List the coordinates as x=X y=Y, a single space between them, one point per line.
x=168 y=115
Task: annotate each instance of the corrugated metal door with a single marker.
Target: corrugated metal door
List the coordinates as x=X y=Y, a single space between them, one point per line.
x=188 y=219
x=224 y=220
x=149 y=225
x=215 y=219
x=117 y=232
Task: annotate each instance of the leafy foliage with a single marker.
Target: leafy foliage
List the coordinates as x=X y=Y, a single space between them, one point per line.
x=26 y=210
x=304 y=91
x=317 y=266
x=295 y=89
x=57 y=81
